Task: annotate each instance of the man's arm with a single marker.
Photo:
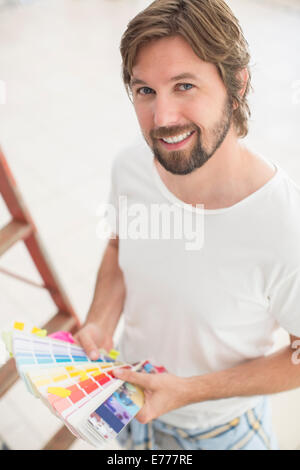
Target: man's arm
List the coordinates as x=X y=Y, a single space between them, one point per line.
x=263 y=376
x=275 y=373
x=106 y=306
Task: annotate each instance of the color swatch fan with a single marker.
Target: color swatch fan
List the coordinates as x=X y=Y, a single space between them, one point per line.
x=84 y=394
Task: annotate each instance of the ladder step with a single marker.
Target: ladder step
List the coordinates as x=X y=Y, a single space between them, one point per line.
x=62 y=440
x=62 y=321
x=12 y=233
x=8 y=376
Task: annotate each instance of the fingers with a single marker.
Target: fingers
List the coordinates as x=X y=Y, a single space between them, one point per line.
x=138 y=378
x=107 y=344
x=88 y=345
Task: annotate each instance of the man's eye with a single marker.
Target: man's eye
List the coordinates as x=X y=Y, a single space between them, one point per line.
x=144 y=90
x=185 y=86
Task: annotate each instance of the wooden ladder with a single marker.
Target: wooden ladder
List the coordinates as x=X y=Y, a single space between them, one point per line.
x=22 y=228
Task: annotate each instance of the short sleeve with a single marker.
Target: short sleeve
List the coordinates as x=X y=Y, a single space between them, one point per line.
x=112 y=212
x=285 y=304
x=108 y=222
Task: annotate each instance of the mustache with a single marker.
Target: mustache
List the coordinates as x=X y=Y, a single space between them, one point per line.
x=164 y=132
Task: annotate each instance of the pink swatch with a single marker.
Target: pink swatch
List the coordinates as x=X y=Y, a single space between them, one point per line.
x=63 y=336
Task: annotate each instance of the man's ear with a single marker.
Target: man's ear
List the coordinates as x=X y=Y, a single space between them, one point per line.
x=243 y=76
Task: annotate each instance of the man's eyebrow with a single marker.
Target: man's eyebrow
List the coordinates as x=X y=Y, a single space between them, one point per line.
x=137 y=81
x=181 y=76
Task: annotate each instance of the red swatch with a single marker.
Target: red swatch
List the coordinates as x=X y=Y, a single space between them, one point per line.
x=88 y=385
x=76 y=393
x=102 y=379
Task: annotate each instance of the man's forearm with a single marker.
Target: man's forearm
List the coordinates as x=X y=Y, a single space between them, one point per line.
x=109 y=295
x=263 y=376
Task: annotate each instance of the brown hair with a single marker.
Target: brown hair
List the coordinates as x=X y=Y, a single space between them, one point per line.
x=213 y=32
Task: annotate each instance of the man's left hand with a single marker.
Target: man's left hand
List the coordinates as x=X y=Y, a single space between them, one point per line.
x=163 y=392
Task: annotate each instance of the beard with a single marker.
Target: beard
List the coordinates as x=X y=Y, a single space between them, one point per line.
x=183 y=162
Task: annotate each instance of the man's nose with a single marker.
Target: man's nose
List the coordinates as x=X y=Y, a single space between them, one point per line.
x=165 y=112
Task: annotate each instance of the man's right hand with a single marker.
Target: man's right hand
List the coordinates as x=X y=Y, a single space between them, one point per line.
x=92 y=337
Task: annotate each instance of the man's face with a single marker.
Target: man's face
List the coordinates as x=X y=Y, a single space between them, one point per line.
x=181 y=103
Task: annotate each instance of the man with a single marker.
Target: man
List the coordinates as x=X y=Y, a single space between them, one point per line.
x=206 y=313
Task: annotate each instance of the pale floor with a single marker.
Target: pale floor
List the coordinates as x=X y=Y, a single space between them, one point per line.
x=67 y=114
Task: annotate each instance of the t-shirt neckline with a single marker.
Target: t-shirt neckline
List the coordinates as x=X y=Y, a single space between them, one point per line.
x=178 y=202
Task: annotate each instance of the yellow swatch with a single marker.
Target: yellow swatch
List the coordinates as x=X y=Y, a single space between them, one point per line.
x=95 y=374
x=83 y=376
x=18 y=326
x=38 y=331
x=59 y=378
x=41 y=333
x=41 y=382
x=59 y=391
x=6 y=336
x=74 y=374
x=92 y=369
x=113 y=354
x=70 y=368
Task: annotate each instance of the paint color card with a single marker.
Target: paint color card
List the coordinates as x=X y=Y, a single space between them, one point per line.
x=82 y=382
x=116 y=412
x=119 y=409
x=32 y=352
x=83 y=394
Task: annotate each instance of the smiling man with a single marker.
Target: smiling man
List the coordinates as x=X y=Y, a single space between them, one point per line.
x=208 y=315
x=173 y=131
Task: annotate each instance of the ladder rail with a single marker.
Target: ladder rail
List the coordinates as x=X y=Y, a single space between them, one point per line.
x=22 y=228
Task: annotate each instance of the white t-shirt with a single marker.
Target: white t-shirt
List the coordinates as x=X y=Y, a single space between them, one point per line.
x=202 y=310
